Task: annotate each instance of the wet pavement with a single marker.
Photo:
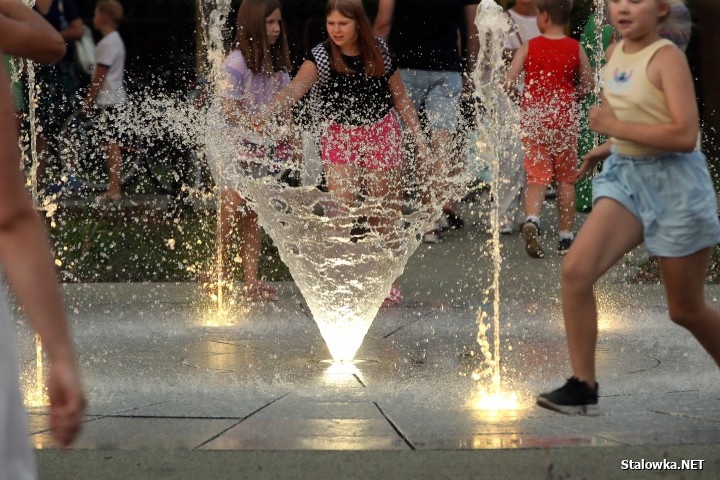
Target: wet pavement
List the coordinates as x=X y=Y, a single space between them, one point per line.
x=178 y=391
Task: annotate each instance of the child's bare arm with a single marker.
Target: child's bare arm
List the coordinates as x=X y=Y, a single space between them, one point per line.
x=406 y=109
x=383 y=20
x=300 y=85
x=516 y=68
x=592 y=158
x=27 y=262
x=404 y=106
x=25 y=33
x=95 y=83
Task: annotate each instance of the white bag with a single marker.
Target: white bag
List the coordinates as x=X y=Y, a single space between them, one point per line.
x=85 y=51
x=84 y=47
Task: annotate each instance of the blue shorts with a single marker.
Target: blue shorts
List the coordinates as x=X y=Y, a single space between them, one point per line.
x=438 y=92
x=670 y=194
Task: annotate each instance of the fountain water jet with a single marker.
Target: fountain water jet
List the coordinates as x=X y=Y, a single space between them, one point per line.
x=499 y=121
x=35 y=393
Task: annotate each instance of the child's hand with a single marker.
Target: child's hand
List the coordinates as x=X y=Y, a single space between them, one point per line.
x=67 y=402
x=584 y=168
x=590 y=160
x=423 y=149
x=602 y=118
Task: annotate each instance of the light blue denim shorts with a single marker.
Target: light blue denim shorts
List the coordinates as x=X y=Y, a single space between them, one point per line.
x=670 y=194
x=438 y=92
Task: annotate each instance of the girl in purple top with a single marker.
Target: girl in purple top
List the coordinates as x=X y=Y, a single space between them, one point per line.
x=255 y=70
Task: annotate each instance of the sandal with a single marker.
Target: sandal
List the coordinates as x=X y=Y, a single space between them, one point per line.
x=393 y=299
x=261 y=292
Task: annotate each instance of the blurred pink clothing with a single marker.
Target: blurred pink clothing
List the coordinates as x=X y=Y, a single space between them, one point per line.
x=375 y=146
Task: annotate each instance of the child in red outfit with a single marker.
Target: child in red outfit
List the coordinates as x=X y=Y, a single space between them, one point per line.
x=553 y=64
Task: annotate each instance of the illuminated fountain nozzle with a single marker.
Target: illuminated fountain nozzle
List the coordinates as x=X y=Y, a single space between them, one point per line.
x=339 y=373
x=35 y=393
x=496 y=400
x=343 y=338
x=342 y=368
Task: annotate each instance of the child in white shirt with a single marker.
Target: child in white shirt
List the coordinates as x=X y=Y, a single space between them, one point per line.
x=107 y=91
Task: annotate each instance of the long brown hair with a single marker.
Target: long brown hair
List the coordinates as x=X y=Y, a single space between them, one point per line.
x=251 y=38
x=370 y=53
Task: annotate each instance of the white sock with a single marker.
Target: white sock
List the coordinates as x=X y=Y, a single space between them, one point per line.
x=566 y=235
x=533 y=218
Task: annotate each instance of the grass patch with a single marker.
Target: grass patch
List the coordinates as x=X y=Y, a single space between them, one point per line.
x=141 y=244
x=649 y=270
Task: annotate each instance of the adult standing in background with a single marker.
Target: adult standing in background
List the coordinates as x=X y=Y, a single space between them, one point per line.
x=425 y=36
x=58 y=82
x=523 y=17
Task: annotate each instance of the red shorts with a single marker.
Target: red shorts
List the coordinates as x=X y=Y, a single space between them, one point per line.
x=377 y=146
x=554 y=157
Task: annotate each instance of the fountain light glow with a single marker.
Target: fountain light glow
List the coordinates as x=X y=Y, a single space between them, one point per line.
x=36 y=394
x=344 y=372
x=342 y=368
x=342 y=337
x=495 y=400
x=225 y=316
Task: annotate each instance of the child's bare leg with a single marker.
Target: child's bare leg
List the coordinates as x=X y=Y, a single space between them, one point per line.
x=384 y=189
x=684 y=280
x=534 y=198
x=432 y=173
x=343 y=183
x=250 y=241
x=566 y=206
x=609 y=232
x=114 y=162
x=229 y=218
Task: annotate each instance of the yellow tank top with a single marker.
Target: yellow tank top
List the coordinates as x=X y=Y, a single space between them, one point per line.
x=632 y=96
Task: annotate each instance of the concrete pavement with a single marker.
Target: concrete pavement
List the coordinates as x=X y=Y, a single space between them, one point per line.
x=178 y=392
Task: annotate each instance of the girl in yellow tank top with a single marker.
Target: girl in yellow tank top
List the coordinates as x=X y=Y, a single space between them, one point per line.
x=654 y=188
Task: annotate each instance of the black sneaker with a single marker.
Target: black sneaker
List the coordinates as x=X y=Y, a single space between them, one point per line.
x=531 y=233
x=564 y=245
x=574 y=398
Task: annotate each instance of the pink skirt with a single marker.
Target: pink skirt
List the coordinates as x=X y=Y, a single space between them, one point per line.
x=377 y=146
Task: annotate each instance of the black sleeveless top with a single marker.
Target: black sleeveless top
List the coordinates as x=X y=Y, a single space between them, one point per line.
x=355 y=99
